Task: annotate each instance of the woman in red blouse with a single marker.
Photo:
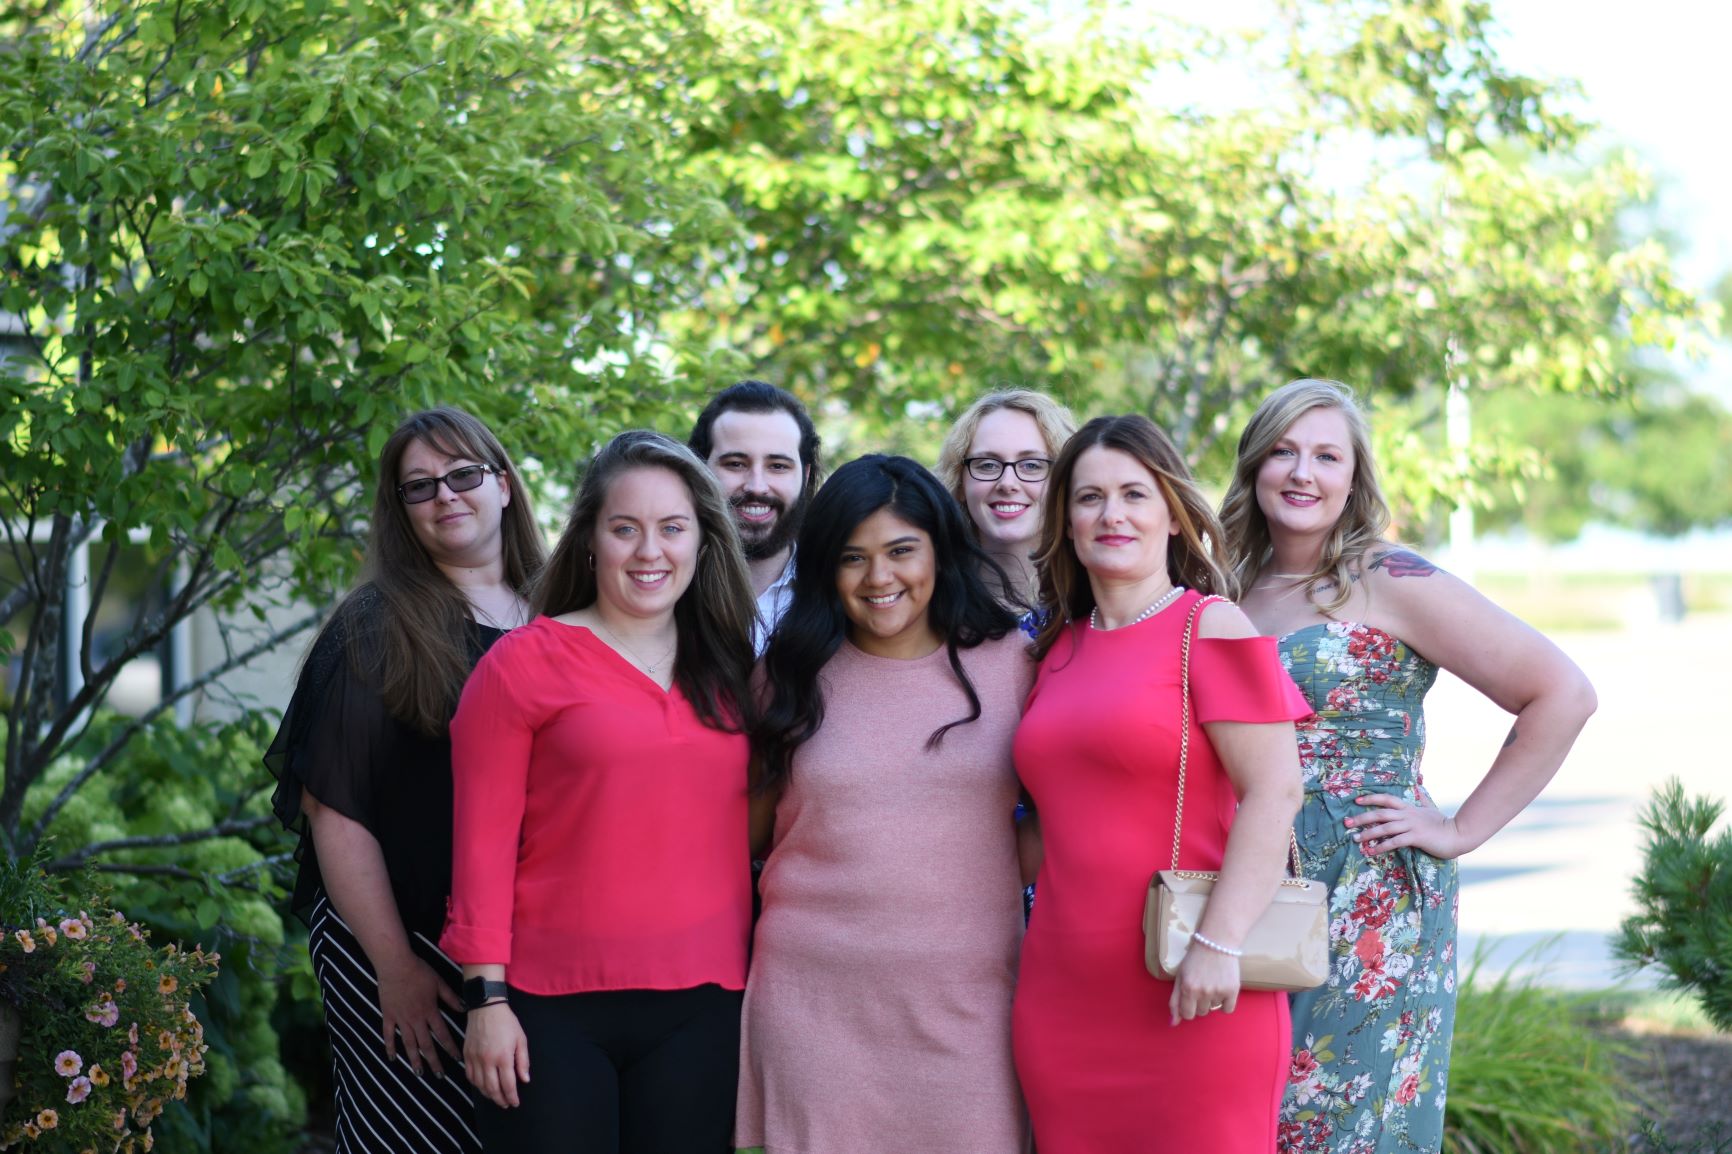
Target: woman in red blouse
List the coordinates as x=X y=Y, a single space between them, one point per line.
x=601 y=895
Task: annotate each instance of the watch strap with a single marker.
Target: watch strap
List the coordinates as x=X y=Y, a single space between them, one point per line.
x=478 y=992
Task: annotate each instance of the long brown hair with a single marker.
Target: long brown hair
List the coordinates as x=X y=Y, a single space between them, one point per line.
x=1194 y=556
x=409 y=625
x=1364 y=517
x=713 y=618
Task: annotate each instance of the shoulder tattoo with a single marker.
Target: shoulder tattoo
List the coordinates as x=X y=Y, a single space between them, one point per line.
x=1402 y=563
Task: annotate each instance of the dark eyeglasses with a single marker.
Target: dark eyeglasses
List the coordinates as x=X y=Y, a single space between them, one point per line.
x=1029 y=469
x=457 y=480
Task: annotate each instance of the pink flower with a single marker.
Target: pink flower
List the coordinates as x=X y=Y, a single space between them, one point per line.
x=128 y=1066
x=89 y=973
x=105 y=1012
x=1409 y=1090
x=1304 y=1065
x=73 y=929
x=132 y=1034
x=68 y=1063
x=78 y=1091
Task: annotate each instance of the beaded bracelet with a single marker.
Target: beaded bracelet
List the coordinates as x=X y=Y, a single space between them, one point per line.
x=1217 y=946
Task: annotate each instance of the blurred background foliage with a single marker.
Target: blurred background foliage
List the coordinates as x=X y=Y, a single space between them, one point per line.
x=238 y=238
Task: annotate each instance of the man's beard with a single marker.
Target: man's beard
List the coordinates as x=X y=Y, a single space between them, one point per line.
x=763 y=541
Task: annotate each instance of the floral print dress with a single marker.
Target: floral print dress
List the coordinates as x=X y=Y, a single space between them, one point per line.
x=1371 y=1045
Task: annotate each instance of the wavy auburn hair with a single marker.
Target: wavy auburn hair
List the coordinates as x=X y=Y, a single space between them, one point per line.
x=713 y=617
x=410 y=629
x=963 y=610
x=1364 y=518
x=1194 y=555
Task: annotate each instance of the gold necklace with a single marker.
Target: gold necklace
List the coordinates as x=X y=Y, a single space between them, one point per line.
x=518 y=616
x=649 y=666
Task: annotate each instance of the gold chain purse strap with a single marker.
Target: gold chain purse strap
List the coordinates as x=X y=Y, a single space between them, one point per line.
x=1185 y=736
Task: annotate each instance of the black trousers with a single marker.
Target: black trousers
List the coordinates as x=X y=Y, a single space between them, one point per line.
x=622 y=1072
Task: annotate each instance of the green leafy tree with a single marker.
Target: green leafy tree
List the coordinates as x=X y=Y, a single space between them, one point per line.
x=237 y=240
x=939 y=197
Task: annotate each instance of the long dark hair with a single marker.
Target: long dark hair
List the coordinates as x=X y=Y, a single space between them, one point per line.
x=963 y=610
x=1195 y=554
x=407 y=625
x=713 y=618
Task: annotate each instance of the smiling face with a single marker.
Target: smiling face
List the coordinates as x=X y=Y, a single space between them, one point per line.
x=645 y=543
x=1117 y=519
x=884 y=576
x=756 y=457
x=1006 y=512
x=1303 y=483
x=456 y=529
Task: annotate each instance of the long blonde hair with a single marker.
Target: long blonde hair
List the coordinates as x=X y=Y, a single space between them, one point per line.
x=1364 y=517
x=1194 y=556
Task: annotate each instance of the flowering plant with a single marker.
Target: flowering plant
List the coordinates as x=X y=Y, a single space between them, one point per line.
x=106 y=1036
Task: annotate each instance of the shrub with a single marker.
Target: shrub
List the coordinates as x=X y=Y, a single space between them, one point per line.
x=107 y=1038
x=1529 y=1074
x=1683 y=918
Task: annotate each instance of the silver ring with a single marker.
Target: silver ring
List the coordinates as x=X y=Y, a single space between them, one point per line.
x=1217 y=1005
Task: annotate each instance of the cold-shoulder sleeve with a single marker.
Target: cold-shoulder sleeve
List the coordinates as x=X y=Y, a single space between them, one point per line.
x=328 y=743
x=1242 y=679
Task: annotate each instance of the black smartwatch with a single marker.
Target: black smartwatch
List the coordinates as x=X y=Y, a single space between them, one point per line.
x=478 y=992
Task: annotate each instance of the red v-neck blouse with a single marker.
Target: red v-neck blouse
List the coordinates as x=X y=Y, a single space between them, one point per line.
x=601 y=831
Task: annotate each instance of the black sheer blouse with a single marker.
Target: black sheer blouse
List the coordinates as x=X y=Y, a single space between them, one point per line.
x=339 y=743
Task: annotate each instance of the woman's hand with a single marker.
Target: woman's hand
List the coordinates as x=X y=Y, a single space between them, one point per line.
x=409 y=998
x=1393 y=822
x=1207 y=982
x=496 y=1054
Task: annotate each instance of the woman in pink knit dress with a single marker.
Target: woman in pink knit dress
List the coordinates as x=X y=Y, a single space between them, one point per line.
x=877 y=1012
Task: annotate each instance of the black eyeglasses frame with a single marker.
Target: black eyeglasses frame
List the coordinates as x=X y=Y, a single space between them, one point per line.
x=433 y=484
x=1045 y=464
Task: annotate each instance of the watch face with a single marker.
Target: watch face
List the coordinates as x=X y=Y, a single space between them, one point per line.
x=477 y=991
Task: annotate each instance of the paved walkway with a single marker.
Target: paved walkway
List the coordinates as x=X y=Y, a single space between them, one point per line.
x=1563 y=866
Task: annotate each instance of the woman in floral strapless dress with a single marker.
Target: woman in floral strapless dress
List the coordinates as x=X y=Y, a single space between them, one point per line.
x=1364 y=626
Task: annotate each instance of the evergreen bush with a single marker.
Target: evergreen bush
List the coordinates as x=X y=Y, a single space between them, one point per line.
x=1683 y=918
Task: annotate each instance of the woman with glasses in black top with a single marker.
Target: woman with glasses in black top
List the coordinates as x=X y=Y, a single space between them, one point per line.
x=363 y=762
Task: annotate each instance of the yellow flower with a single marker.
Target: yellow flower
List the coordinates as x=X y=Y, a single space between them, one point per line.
x=48 y=1119
x=167 y=984
x=25 y=940
x=98 y=1076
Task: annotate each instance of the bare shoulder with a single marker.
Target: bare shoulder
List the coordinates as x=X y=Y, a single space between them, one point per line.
x=1224 y=619
x=1384 y=563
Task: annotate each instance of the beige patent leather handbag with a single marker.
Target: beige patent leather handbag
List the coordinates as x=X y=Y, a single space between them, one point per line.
x=1287 y=948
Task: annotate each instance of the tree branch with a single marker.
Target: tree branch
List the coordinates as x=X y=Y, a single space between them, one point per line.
x=231 y=828
x=112 y=750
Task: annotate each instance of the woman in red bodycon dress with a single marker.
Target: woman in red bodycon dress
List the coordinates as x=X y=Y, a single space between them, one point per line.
x=601 y=894
x=1113 y=1061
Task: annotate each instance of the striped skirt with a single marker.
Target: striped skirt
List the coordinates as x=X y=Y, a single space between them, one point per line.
x=385 y=1107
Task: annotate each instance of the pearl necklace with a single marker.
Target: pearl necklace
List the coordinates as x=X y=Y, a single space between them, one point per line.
x=1165 y=600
